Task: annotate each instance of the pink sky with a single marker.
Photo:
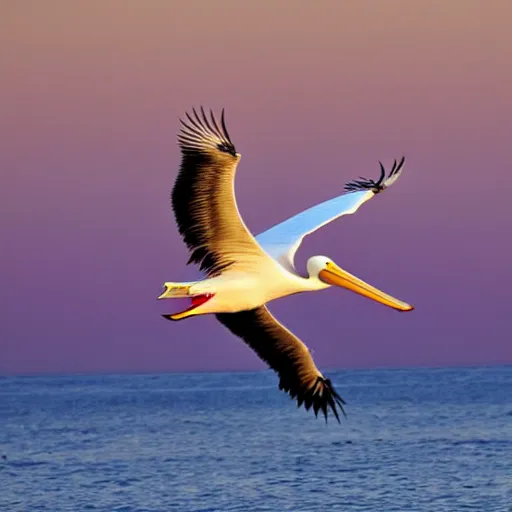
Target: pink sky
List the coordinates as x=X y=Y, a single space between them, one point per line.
x=315 y=94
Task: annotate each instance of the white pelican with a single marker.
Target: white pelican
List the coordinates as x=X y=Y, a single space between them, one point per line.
x=244 y=272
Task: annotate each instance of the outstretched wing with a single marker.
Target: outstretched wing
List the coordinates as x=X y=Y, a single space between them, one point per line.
x=287 y=356
x=282 y=241
x=203 y=198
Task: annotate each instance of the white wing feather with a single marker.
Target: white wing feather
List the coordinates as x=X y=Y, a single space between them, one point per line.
x=282 y=241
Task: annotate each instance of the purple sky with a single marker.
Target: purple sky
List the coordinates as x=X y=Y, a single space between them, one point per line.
x=314 y=96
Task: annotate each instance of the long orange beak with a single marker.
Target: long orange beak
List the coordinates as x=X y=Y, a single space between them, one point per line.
x=336 y=276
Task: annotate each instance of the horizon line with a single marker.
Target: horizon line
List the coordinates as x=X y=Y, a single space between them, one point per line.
x=43 y=374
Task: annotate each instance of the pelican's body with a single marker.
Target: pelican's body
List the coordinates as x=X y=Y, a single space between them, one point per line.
x=243 y=272
x=241 y=289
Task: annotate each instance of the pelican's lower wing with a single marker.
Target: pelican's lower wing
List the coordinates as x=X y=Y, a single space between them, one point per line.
x=287 y=356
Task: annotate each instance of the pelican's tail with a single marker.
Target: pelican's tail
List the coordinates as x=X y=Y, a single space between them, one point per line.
x=176 y=290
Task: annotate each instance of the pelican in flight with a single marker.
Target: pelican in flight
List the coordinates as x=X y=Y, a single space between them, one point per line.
x=243 y=272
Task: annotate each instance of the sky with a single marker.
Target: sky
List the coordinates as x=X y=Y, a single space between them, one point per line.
x=315 y=93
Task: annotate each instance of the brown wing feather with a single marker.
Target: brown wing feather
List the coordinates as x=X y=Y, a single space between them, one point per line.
x=287 y=356
x=203 y=197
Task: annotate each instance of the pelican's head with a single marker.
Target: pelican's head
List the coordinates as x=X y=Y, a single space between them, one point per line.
x=326 y=271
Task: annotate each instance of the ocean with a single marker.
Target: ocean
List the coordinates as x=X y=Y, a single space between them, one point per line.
x=414 y=440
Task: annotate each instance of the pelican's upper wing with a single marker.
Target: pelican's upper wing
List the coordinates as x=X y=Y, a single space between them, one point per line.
x=282 y=241
x=203 y=196
x=287 y=356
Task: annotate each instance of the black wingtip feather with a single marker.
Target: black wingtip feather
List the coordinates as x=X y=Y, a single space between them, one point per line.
x=321 y=396
x=202 y=133
x=381 y=184
x=215 y=125
x=223 y=123
x=205 y=120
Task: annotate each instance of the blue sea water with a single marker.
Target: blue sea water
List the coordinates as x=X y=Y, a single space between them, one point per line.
x=414 y=440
